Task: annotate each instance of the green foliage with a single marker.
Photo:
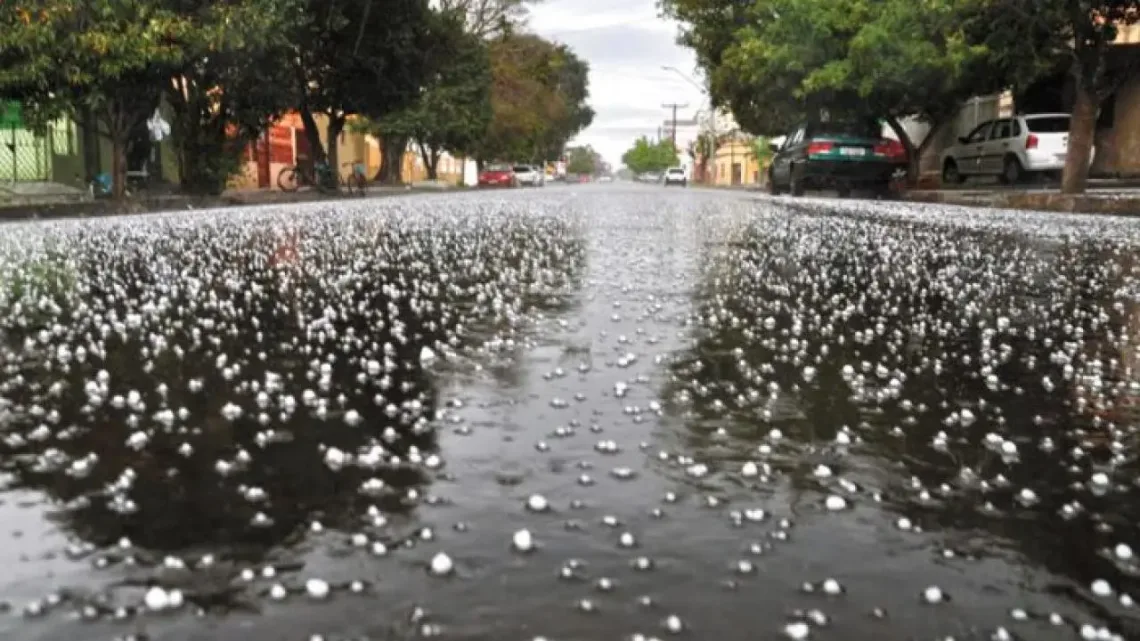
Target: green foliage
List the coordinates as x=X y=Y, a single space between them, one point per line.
x=454 y=111
x=538 y=98
x=582 y=161
x=646 y=155
x=761 y=150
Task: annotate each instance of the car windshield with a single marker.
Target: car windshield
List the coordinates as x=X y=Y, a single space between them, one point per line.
x=676 y=171
x=863 y=128
x=522 y=168
x=498 y=168
x=1048 y=125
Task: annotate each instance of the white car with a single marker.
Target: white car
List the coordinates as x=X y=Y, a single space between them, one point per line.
x=529 y=175
x=676 y=176
x=1009 y=148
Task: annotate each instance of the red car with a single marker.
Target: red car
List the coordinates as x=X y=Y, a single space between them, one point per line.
x=498 y=176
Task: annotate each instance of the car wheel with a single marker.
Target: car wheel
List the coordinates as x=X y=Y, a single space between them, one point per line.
x=1011 y=172
x=796 y=183
x=950 y=173
x=773 y=188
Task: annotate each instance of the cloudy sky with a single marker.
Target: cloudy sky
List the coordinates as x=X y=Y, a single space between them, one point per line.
x=626 y=44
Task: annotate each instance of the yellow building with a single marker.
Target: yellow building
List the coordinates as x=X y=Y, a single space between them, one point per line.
x=735 y=163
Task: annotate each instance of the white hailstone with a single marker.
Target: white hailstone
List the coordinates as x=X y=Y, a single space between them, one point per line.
x=1101 y=588
x=933 y=595
x=356 y=587
x=156 y=599
x=379 y=549
x=749 y=470
x=352 y=418
x=627 y=540
x=832 y=587
x=433 y=462
x=137 y=440
x=903 y=523
x=359 y=540
x=427 y=356
x=1123 y=551
x=523 y=541
x=317 y=588
x=316 y=527
x=822 y=471
x=745 y=566
x=441 y=564
x=176 y=598
x=797 y=630
x=674 y=624
x=835 y=503
x=278 y=592
x=537 y=503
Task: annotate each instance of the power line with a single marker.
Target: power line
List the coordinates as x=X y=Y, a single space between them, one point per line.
x=674 y=106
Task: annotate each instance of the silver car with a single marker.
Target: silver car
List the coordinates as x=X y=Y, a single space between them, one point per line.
x=529 y=175
x=1009 y=148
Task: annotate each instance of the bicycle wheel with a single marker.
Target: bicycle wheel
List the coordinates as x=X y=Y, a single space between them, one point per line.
x=289 y=179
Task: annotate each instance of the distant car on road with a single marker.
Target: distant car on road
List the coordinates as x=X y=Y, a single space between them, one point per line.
x=676 y=176
x=1009 y=148
x=498 y=175
x=650 y=177
x=529 y=175
x=842 y=154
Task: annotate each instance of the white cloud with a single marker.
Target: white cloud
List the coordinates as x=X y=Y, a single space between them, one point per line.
x=626 y=44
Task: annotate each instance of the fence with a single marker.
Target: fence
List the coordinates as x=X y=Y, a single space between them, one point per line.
x=28 y=156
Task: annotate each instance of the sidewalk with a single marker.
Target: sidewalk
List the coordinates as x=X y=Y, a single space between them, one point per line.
x=145 y=204
x=1123 y=201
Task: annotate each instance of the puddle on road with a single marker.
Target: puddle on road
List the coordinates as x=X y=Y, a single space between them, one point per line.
x=520 y=417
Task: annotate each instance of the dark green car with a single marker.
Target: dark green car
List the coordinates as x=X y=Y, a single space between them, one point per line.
x=841 y=154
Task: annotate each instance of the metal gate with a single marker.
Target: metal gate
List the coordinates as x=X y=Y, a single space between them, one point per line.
x=25 y=156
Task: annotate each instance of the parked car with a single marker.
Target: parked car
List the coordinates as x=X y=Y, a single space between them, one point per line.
x=676 y=176
x=843 y=154
x=529 y=175
x=1009 y=148
x=650 y=177
x=498 y=176
x=605 y=179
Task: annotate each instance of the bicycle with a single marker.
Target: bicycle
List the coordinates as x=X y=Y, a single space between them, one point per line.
x=356 y=179
x=291 y=179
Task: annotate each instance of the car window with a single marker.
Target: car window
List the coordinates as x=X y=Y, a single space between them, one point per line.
x=498 y=168
x=796 y=138
x=522 y=168
x=1001 y=130
x=863 y=128
x=1048 y=125
x=979 y=133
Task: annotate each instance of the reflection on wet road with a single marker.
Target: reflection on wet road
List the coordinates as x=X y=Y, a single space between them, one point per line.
x=586 y=413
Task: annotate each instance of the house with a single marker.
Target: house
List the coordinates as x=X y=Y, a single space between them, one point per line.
x=1118 y=126
x=735 y=162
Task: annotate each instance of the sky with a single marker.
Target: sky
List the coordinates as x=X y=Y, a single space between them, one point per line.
x=626 y=44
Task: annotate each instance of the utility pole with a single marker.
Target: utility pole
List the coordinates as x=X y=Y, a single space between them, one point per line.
x=674 y=106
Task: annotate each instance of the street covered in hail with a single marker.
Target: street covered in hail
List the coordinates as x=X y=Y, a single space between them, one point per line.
x=596 y=412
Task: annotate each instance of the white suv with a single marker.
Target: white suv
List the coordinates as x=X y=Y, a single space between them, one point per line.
x=676 y=176
x=529 y=175
x=1009 y=148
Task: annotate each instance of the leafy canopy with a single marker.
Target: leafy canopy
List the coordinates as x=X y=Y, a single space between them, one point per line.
x=646 y=155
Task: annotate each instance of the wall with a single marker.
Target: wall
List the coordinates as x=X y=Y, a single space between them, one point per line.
x=735 y=152
x=1118 y=147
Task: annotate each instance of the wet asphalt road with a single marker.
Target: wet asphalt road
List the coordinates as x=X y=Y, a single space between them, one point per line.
x=715 y=415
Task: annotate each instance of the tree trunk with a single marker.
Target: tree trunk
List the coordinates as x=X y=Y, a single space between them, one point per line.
x=913 y=153
x=1082 y=131
x=426 y=154
x=313 y=134
x=335 y=127
x=433 y=164
x=118 y=163
x=392 y=162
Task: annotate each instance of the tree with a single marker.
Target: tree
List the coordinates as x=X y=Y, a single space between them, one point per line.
x=538 y=99
x=64 y=56
x=703 y=149
x=356 y=57
x=487 y=18
x=582 y=161
x=1034 y=36
x=646 y=155
x=230 y=85
x=885 y=58
x=455 y=108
